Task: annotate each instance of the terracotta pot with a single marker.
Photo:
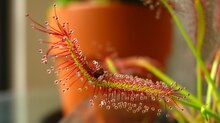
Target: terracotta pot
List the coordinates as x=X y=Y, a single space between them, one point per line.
x=132 y=29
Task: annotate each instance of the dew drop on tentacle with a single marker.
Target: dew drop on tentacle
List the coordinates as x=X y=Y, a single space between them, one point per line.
x=85 y=88
x=120 y=106
x=146 y=107
x=100 y=88
x=64 y=25
x=140 y=104
x=91 y=101
x=92 y=104
x=55 y=17
x=129 y=108
x=132 y=99
x=153 y=98
x=170 y=107
x=159 y=99
x=102 y=102
x=61 y=47
x=56 y=81
x=44 y=61
x=49 y=71
x=146 y=110
x=95 y=97
x=64 y=84
x=95 y=62
x=68 y=88
x=81 y=79
x=158 y=113
x=93 y=86
x=40 y=51
x=157 y=3
x=134 y=105
x=108 y=107
x=80 y=89
x=46 y=23
x=159 y=110
x=151 y=7
x=152 y=109
x=78 y=74
x=134 y=111
x=56 y=73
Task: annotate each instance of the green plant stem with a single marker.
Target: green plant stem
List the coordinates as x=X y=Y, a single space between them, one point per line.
x=198 y=107
x=190 y=44
x=200 y=38
x=65 y=2
x=200 y=26
x=199 y=82
x=213 y=74
x=111 y=65
x=217 y=84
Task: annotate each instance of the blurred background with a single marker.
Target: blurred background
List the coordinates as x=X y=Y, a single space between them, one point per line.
x=25 y=97
x=27 y=92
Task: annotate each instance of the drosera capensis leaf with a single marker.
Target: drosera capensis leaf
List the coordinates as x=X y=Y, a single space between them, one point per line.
x=117 y=91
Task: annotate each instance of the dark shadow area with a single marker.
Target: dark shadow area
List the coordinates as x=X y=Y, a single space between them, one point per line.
x=54 y=117
x=4 y=44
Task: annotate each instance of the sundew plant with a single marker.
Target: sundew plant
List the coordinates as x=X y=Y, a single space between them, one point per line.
x=114 y=90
